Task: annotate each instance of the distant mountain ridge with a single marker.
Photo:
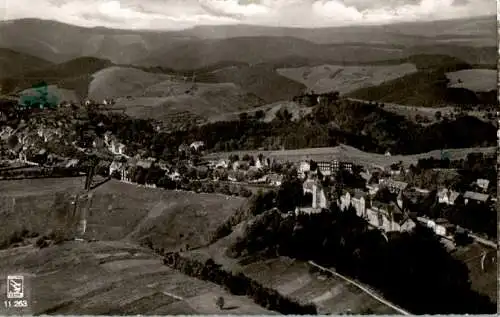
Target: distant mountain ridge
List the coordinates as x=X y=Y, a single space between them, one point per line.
x=59 y=42
x=13 y=63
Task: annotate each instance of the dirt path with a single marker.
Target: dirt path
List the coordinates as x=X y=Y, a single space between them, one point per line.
x=361 y=287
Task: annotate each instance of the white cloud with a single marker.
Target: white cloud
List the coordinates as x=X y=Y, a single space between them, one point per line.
x=174 y=14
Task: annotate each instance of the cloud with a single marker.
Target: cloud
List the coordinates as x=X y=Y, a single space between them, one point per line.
x=176 y=14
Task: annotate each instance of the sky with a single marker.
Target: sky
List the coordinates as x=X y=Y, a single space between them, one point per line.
x=180 y=14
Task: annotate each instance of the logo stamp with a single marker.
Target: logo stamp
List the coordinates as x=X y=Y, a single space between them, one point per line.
x=15 y=286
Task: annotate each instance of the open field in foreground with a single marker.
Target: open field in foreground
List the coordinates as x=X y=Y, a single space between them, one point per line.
x=351 y=154
x=292 y=278
x=113 y=278
x=168 y=219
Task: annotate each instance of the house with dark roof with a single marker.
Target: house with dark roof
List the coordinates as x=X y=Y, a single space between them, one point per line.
x=389 y=217
x=477 y=197
x=393 y=185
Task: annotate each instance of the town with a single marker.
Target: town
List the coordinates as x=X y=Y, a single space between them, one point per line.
x=389 y=197
x=249 y=158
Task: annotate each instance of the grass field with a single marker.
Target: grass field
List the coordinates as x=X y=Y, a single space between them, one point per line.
x=169 y=219
x=478 y=80
x=411 y=112
x=344 y=79
x=351 y=154
x=112 y=278
x=160 y=96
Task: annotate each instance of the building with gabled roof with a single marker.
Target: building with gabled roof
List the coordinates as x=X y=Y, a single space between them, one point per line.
x=446 y=196
x=389 y=217
x=393 y=185
x=197 y=145
x=359 y=202
x=478 y=197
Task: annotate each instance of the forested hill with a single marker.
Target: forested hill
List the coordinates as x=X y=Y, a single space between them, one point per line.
x=364 y=126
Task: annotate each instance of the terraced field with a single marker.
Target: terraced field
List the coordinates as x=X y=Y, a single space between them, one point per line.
x=293 y=278
x=113 y=278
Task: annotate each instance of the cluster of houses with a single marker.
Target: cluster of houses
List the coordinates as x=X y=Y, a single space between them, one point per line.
x=388 y=217
x=385 y=216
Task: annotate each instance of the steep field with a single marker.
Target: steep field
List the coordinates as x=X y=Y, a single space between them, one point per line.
x=344 y=79
x=424 y=88
x=119 y=211
x=160 y=96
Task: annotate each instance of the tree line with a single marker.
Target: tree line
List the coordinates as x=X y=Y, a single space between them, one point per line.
x=238 y=284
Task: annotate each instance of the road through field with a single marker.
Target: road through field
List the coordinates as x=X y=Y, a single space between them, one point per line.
x=383 y=301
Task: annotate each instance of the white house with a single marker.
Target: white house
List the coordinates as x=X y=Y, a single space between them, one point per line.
x=258 y=164
x=483 y=183
x=345 y=201
x=442 y=227
x=319 y=200
x=175 y=176
x=366 y=176
x=325 y=168
x=373 y=188
x=197 y=145
x=116 y=147
x=446 y=196
x=359 y=203
x=222 y=164
x=319 y=197
x=388 y=217
x=275 y=179
x=304 y=168
x=307 y=186
x=429 y=223
x=116 y=166
x=72 y=163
